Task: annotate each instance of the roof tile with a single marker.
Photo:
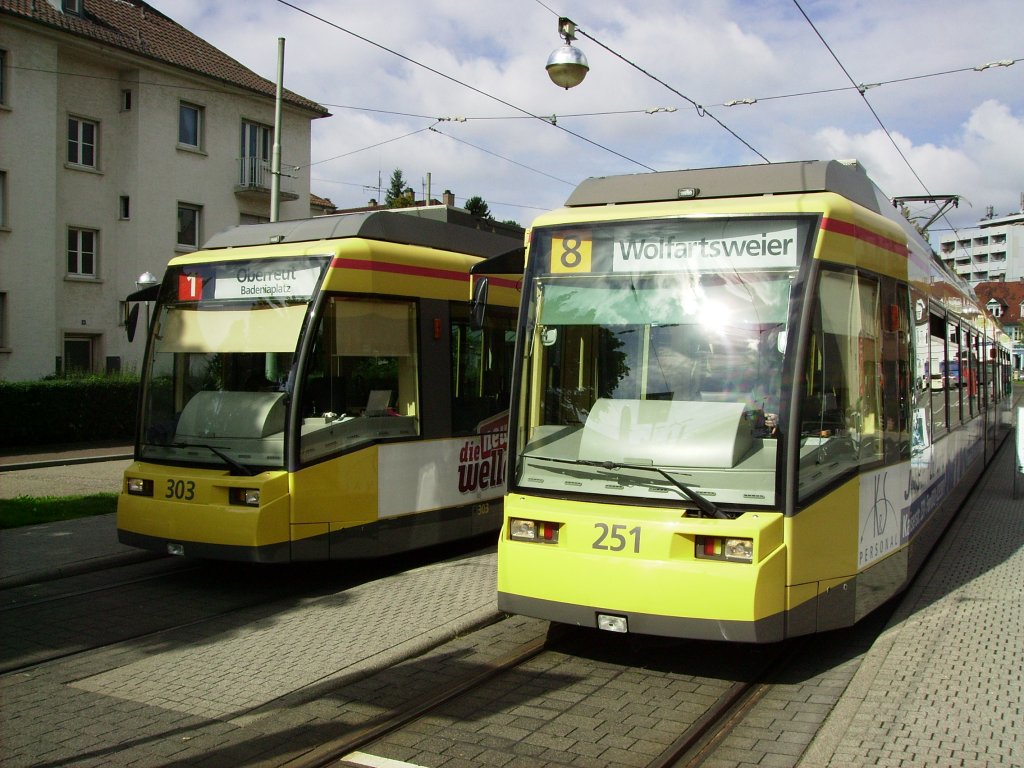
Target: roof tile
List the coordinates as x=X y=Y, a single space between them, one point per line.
x=139 y=28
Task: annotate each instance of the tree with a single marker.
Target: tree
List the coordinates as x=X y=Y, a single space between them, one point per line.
x=478 y=207
x=398 y=192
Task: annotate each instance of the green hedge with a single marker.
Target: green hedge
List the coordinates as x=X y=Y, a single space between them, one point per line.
x=67 y=410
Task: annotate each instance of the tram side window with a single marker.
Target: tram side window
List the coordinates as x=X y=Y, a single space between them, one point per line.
x=974 y=374
x=954 y=373
x=360 y=379
x=922 y=398
x=896 y=367
x=937 y=379
x=842 y=421
x=481 y=367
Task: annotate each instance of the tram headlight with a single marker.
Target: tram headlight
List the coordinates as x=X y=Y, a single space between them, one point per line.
x=248 y=497
x=532 y=530
x=137 y=486
x=739 y=549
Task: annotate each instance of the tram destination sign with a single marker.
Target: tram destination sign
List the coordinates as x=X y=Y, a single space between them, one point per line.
x=677 y=247
x=250 y=280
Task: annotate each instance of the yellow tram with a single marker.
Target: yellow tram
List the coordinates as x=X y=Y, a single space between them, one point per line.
x=722 y=423
x=317 y=389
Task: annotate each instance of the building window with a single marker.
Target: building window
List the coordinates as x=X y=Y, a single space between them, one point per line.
x=995 y=308
x=257 y=140
x=3 y=320
x=124 y=210
x=77 y=354
x=126 y=100
x=82 y=252
x=3 y=200
x=252 y=218
x=188 y=225
x=3 y=76
x=190 y=125
x=82 y=141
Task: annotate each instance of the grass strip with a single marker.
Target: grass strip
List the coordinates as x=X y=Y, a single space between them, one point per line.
x=32 y=510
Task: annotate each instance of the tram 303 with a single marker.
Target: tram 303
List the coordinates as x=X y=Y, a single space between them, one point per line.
x=722 y=420
x=317 y=389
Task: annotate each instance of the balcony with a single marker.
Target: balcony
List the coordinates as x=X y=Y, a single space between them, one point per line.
x=254 y=180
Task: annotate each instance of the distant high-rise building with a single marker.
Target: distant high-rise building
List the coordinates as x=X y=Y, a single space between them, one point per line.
x=993 y=251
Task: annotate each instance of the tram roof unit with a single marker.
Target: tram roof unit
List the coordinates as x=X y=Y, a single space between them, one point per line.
x=846 y=178
x=440 y=227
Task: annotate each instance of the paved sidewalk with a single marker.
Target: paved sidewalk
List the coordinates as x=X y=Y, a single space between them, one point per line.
x=36 y=553
x=70 y=547
x=944 y=684
x=64 y=455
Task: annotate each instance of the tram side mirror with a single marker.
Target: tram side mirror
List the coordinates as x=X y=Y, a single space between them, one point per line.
x=549 y=336
x=478 y=306
x=132 y=322
x=780 y=342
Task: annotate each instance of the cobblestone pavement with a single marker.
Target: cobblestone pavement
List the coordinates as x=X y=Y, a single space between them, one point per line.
x=942 y=685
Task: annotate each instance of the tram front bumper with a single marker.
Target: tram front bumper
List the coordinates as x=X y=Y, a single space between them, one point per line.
x=199 y=513
x=638 y=569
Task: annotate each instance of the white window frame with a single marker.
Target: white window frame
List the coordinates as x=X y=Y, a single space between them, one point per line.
x=995 y=308
x=196 y=211
x=79 y=144
x=82 y=247
x=199 y=113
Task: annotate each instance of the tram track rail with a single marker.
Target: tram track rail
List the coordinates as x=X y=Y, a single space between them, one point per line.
x=75 y=602
x=62 y=619
x=692 y=748
x=335 y=750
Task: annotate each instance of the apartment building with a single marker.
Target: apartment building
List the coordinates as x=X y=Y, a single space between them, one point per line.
x=124 y=140
x=1005 y=302
x=993 y=251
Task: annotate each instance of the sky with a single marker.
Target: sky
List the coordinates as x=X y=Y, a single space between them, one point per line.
x=398 y=77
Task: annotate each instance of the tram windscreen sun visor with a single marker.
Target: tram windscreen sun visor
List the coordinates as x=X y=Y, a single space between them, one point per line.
x=269 y=329
x=509 y=263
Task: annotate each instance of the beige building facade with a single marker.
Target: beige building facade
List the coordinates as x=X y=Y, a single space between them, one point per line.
x=124 y=140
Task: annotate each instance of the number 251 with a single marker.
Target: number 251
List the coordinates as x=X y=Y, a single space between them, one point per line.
x=616 y=535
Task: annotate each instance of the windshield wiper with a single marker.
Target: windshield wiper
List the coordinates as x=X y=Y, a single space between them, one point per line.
x=231 y=462
x=704 y=504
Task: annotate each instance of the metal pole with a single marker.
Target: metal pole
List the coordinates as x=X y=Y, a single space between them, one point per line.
x=275 y=162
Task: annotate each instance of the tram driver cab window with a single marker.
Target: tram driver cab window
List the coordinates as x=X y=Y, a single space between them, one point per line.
x=360 y=378
x=840 y=419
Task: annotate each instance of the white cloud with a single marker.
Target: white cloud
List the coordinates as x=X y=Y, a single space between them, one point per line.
x=961 y=131
x=982 y=163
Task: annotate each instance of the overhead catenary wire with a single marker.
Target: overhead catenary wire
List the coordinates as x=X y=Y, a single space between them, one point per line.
x=553 y=119
x=495 y=154
x=455 y=80
x=861 y=89
x=701 y=110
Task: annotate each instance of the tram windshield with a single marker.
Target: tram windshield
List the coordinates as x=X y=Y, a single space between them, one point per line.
x=633 y=373
x=223 y=341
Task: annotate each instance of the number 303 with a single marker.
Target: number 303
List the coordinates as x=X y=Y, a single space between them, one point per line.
x=180 y=489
